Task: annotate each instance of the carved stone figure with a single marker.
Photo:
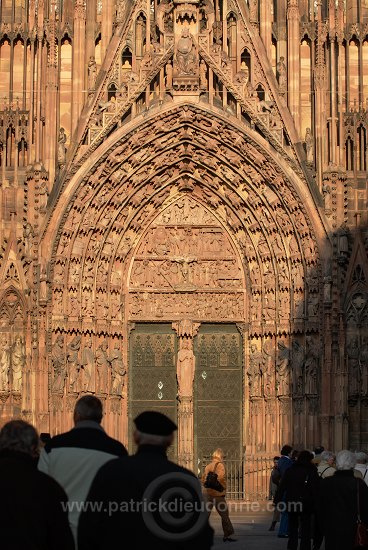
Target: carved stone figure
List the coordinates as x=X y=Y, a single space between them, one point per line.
x=88 y=366
x=92 y=73
x=103 y=365
x=61 y=148
x=255 y=371
x=43 y=194
x=162 y=11
x=208 y=13
x=363 y=359
x=118 y=371
x=241 y=78
x=353 y=352
x=309 y=144
x=185 y=369
x=311 y=366
x=28 y=236
x=18 y=362
x=169 y=75
x=283 y=369
x=4 y=364
x=297 y=365
x=185 y=54
x=326 y=190
x=58 y=360
x=74 y=364
x=281 y=74
x=203 y=82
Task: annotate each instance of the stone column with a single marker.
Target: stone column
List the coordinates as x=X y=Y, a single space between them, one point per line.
x=266 y=26
x=185 y=368
x=78 y=69
x=293 y=65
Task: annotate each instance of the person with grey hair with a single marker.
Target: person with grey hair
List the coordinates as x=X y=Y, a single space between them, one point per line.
x=32 y=505
x=361 y=465
x=147 y=501
x=338 y=508
x=73 y=458
x=325 y=466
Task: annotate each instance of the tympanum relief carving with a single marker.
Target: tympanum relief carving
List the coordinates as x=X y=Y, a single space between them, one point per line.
x=187 y=267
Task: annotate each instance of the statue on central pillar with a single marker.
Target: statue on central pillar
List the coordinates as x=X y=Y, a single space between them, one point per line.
x=185 y=369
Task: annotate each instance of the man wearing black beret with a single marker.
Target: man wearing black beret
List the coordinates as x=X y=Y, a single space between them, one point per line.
x=145 y=500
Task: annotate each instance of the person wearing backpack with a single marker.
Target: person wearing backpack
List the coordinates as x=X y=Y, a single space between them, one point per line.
x=216 y=496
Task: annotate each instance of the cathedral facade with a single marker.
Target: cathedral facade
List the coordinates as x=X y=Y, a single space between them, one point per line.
x=184 y=218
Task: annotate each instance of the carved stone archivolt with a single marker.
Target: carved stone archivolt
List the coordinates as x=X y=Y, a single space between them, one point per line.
x=185 y=218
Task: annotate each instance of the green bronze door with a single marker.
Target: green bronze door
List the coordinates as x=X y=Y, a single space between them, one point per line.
x=218 y=391
x=152 y=372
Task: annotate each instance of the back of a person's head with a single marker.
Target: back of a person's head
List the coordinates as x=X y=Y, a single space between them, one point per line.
x=345 y=460
x=327 y=455
x=19 y=436
x=305 y=457
x=88 y=407
x=319 y=450
x=286 y=450
x=361 y=457
x=218 y=454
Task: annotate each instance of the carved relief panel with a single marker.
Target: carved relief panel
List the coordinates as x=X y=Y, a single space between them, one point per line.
x=186 y=267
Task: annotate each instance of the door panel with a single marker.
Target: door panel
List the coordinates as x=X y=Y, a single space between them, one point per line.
x=152 y=382
x=218 y=391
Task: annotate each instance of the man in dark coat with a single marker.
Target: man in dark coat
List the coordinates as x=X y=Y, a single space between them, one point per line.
x=73 y=458
x=299 y=485
x=33 y=512
x=338 y=504
x=146 y=501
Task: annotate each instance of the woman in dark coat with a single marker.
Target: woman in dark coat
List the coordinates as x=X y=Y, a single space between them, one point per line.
x=300 y=486
x=338 y=504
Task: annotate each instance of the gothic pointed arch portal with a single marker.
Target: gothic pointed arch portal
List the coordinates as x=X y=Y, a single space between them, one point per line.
x=179 y=219
x=186 y=271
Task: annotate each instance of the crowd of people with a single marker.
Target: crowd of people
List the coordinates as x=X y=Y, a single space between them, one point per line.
x=81 y=490
x=320 y=496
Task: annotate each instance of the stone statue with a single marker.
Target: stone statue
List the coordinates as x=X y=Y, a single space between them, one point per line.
x=241 y=78
x=353 y=352
x=283 y=369
x=297 y=364
x=309 y=145
x=185 y=369
x=92 y=73
x=4 y=364
x=18 y=360
x=363 y=361
x=185 y=54
x=208 y=13
x=58 y=360
x=169 y=75
x=61 y=147
x=326 y=190
x=162 y=12
x=281 y=73
x=43 y=194
x=73 y=363
x=203 y=82
x=255 y=371
x=103 y=365
x=28 y=235
x=311 y=367
x=118 y=371
x=88 y=366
